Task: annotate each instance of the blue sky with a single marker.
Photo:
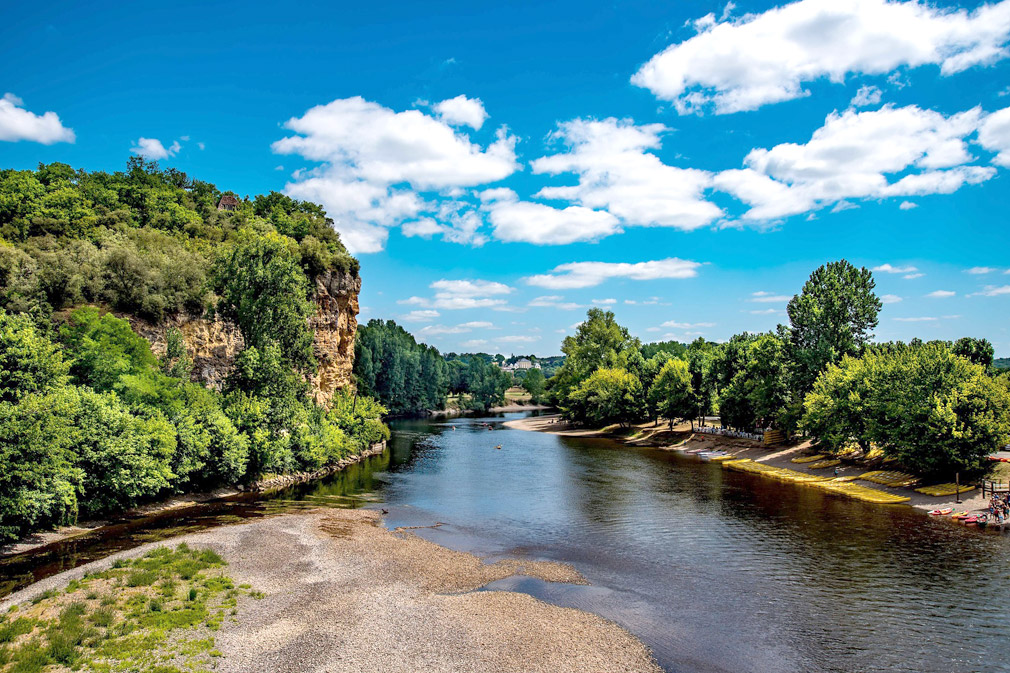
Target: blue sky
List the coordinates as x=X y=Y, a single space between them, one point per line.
x=498 y=168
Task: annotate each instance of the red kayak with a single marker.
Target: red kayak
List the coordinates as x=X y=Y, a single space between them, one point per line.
x=942 y=512
x=971 y=519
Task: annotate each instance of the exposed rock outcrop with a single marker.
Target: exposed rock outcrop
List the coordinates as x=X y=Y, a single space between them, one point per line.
x=212 y=344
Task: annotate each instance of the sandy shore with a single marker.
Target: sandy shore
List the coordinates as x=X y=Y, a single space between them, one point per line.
x=344 y=594
x=683 y=439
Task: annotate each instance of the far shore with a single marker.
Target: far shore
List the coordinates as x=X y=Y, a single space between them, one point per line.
x=681 y=438
x=342 y=593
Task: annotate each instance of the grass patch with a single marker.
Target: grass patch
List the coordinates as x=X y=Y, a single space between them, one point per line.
x=136 y=616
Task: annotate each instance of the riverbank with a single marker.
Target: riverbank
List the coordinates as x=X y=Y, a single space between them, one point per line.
x=504 y=409
x=681 y=438
x=344 y=594
x=266 y=485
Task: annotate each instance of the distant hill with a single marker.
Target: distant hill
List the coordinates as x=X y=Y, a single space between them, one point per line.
x=1001 y=363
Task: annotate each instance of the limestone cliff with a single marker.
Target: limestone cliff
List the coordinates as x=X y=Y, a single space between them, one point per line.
x=213 y=343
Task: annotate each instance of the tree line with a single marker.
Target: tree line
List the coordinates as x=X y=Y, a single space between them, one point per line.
x=408 y=377
x=91 y=421
x=938 y=407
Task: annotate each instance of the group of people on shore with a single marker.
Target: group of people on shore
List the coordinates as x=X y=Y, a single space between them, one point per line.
x=999 y=507
x=726 y=432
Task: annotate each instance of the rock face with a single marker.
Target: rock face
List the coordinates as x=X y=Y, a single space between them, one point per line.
x=212 y=344
x=335 y=322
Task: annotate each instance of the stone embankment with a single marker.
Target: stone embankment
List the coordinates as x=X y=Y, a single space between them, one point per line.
x=280 y=481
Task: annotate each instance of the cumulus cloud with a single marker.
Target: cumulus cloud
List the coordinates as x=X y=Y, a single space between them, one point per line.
x=890 y=268
x=992 y=291
x=867 y=95
x=980 y=270
x=890 y=299
x=941 y=294
x=151 y=148
x=462 y=328
x=617 y=172
x=375 y=162
x=456 y=295
x=994 y=135
x=462 y=111
x=908 y=205
x=852 y=156
x=590 y=274
x=18 y=123
x=741 y=64
x=604 y=302
x=553 y=301
x=763 y=297
x=422 y=315
x=454 y=221
x=686 y=325
x=526 y=221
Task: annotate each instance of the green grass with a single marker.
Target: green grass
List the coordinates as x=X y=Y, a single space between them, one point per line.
x=156 y=613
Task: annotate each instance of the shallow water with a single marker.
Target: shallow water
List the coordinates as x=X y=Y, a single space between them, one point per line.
x=714 y=570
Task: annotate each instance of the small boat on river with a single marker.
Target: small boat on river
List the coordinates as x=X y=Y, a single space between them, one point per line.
x=942 y=512
x=960 y=515
x=971 y=519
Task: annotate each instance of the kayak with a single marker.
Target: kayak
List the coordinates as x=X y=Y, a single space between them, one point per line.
x=960 y=515
x=971 y=519
x=942 y=512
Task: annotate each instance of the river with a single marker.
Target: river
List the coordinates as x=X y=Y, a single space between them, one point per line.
x=714 y=570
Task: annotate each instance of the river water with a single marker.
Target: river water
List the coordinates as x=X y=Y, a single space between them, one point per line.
x=714 y=570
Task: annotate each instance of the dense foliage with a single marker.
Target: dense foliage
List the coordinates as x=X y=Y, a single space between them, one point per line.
x=937 y=407
x=141 y=241
x=91 y=422
x=410 y=377
x=925 y=404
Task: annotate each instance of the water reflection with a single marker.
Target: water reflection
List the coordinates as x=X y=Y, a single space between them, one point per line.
x=714 y=570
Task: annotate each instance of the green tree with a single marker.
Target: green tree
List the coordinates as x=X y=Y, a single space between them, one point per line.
x=598 y=342
x=607 y=396
x=263 y=290
x=671 y=394
x=535 y=384
x=979 y=351
x=29 y=362
x=834 y=315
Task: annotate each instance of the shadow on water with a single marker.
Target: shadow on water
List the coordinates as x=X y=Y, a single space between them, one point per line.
x=714 y=570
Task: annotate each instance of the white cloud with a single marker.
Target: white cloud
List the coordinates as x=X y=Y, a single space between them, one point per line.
x=462 y=328
x=617 y=172
x=994 y=135
x=462 y=111
x=742 y=64
x=374 y=161
x=908 y=205
x=867 y=95
x=475 y=343
x=766 y=311
x=922 y=319
x=17 y=123
x=454 y=295
x=604 y=302
x=201 y=146
x=912 y=276
x=992 y=291
x=852 y=156
x=890 y=299
x=589 y=274
x=151 y=148
x=888 y=268
x=456 y=223
x=422 y=315
x=980 y=270
x=517 y=339
x=545 y=225
x=686 y=325
x=554 y=301
x=769 y=298
x=941 y=294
